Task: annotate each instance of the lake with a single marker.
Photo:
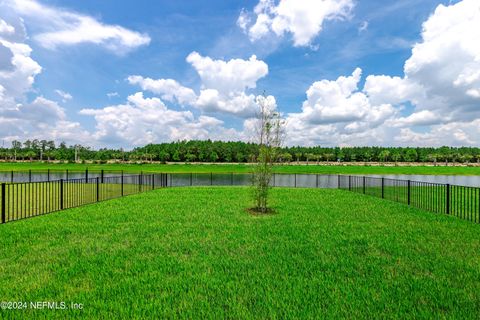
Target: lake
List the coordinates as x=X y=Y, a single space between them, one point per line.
x=203 y=179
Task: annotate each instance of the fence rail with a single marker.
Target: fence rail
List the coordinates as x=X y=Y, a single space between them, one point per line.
x=18 y=176
x=28 y=199
x=460 y=201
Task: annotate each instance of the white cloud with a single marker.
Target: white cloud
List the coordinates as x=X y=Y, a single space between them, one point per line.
x=238 y=104
x=231 y=76
x=452 y=134
x=169 y=89
x=112 y=94
x=338 y=112
x=340 y=101
x=224 y=84
x=393 y=90
x=18 y=79
x=223 y=88
x=5 y=28
x=146 y=120
x=64 y=95
x=302 y=18
x=420 y=118
x=59 y=27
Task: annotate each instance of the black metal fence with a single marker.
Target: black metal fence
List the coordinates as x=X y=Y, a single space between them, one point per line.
x=459 y=201
x=30 y=199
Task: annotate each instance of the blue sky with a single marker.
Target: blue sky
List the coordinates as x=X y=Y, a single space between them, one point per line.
x=154 y=39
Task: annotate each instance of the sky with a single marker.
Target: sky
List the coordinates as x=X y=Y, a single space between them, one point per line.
x=341 y=72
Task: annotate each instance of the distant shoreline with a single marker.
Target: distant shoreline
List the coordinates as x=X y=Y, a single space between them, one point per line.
x=295 y=163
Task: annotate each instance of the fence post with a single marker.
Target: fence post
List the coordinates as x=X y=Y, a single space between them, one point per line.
x=48 y=174
x=30 y=175
x=231 y=179
x=153 y=181
x=349 y=183
x=448 y=199
x=408 y=192
x=3 y=202
x=11 y=177
x=98 y=188
x=211 y=178
x=316 y=184
x=364 y=183
x=295 y=180
x=140 y=180
x=191 y=179
x=338 y=181
x=67 y=174
x=61 y=194
x=86 y=175
x=122 y=182
x=102 y=174
x=383 y=187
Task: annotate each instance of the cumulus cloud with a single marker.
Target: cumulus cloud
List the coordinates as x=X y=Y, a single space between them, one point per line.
x=340 y=101
x=5 y=28
x=61 y=27
x=420 y=118
x=302 y=18
x=234 y=75
x=338 y=111
x=452 y=134
x=223 y=87
x=168 y=89
x=224 y=84
x=146 y=120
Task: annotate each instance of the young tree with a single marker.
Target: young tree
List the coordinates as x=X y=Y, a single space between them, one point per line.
x=269 y=136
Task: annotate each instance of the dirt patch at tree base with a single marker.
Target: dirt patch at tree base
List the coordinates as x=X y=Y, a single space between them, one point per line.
x=259 y=212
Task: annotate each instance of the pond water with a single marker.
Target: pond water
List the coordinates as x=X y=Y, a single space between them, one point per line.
x=469 y=181
x=308 y=180
x=203 y=179
x=35 y=176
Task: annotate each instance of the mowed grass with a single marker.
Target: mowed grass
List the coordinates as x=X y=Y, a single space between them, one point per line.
x=196 y=253
x=246 y=168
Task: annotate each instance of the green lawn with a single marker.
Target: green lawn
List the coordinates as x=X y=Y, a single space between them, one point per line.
x=242 y=168
x=196 y=253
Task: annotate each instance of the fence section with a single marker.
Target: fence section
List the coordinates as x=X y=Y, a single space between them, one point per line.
x=25 y=200
x=459 y=201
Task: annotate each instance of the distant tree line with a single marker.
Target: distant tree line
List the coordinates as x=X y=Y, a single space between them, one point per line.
x=220 y=151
